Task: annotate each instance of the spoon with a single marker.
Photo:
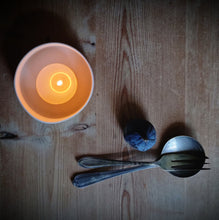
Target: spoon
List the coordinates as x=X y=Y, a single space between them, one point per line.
x=175 y=146
x=184 y=144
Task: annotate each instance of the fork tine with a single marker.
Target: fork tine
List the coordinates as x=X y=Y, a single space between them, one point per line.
x=189 y=169
x=188 y=160
x=187 y=166
x=187 y=163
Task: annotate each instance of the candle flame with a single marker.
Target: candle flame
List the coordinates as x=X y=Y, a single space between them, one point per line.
x=59 y=83
x=56 y=83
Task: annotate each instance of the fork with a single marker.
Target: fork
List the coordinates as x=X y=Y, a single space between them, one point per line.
x=169 y=162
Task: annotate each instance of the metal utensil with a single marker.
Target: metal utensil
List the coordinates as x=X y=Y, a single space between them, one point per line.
x=175 y=146
x=169 y=162
x=166 y=161
x=184 y=144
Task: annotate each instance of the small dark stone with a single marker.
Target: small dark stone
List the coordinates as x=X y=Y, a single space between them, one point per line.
x=140 y=134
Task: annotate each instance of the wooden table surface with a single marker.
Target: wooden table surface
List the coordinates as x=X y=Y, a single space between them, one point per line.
x=152 y=59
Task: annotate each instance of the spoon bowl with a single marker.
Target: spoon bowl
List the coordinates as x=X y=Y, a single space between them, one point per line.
x=180 y=144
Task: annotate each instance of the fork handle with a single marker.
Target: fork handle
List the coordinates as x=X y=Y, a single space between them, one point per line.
x=94 y=162
x=85 y=179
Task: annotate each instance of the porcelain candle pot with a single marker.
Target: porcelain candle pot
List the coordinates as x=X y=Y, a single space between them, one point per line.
x=53 y=82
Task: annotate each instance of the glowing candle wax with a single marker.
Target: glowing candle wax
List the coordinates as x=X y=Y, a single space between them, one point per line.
x=56 y=83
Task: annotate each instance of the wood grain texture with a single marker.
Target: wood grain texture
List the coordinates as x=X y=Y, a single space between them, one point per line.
x=152 y=59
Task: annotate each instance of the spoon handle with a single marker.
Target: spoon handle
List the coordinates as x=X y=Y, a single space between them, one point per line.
x=93 y=162
x=85 y=179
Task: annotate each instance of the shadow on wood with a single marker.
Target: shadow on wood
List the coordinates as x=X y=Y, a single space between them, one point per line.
x=129 y=111
x=127 y=108
x=31 y=29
